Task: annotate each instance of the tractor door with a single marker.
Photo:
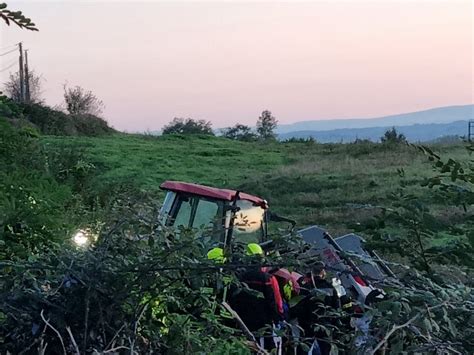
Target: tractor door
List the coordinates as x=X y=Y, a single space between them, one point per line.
x=205 y=216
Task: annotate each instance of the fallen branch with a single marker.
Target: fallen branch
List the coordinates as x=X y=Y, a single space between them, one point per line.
x=73 y=340
x=54 y=329
x=401 y=326
x=244 y=328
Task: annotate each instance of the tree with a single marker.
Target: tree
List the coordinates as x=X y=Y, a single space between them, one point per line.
x=16 y=17
x=391 y=136
x=81 y=102
x=239 y=132
x=12 y=87
x=188 y=126
x=266 y=125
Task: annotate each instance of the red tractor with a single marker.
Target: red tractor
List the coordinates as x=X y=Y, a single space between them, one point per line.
x=223 y=216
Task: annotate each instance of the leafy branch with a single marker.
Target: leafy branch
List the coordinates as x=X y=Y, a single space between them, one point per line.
x=17 y=18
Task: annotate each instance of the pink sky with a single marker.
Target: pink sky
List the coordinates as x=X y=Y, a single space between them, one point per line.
x=227 y=61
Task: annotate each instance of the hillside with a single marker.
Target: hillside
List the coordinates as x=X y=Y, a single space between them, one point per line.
x=414 y=133
x=338 y=186
x=441 y=115
x=130 y=269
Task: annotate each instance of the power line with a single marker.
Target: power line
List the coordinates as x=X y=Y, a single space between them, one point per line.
x=11 y=45
x=10 y=51
x=8 y=67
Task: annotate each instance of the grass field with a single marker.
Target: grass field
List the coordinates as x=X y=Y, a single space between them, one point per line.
x=339 y=186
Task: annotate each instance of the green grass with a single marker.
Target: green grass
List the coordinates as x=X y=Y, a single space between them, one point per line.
x=334 y=185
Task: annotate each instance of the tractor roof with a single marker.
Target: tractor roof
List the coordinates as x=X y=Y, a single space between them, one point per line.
x=211 y=192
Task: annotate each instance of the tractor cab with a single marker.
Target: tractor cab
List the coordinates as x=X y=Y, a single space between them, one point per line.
x=217 y=215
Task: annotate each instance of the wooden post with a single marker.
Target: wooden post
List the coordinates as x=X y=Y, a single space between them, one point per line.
x=27 y=79
x=22 y=78
x=470 y=130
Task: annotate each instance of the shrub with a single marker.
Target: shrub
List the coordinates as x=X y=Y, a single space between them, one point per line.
x=391 y=136
x=90 y=125
x=308 y=140
x=239 y=132
x=54 y=122
x=82 y=102
x=188 y=126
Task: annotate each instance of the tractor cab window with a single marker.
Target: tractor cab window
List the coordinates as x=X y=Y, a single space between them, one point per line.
x=199 y=213
x=206 y=214
x=249 y=223
x=183 y=212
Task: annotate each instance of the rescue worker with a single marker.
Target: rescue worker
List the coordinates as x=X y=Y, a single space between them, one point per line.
x=318 y=295
x=258 y=312
x=222 y=281
x=216 y=255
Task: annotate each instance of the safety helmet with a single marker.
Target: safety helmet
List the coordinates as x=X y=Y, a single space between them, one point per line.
x=254 y=249
x=216 y=255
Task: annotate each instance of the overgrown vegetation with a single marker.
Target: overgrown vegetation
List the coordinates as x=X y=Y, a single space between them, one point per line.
x=140 y=287
x=49 y=121
x=188 y=126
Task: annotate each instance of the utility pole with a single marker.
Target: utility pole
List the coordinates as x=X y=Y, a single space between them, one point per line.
x=27 y=79
x=22 y=85
x=470 y=130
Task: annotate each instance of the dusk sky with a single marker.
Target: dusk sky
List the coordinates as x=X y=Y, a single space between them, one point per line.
x=227 y=61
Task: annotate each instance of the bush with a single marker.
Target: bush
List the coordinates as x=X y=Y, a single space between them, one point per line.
x=188 y=126
x=40 y=199
x=54 y=122
x=90 y=125
x=309 y=140
x=140 y=288
x=391 y=136
x=137 y=289
x=239 y=132
x=82 y=102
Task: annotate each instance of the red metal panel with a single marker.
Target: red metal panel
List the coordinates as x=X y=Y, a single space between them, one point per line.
x=211 y=192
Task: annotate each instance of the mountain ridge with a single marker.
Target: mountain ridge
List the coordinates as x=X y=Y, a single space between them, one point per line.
x=413 y=133
x=437 y=115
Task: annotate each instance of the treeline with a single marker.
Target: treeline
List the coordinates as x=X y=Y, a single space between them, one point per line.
x=265 y=128
x=265 y=131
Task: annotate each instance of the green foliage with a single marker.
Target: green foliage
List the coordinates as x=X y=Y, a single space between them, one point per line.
x=53 y=122
x=309 y=140
x=142 y=283
x=16 y=17
x=239 y=132
x=188 y=126
x=391 y=136
x=416 y=231
x=138 y=287
x=266 y=125
x=40 y=199
x=9 y=108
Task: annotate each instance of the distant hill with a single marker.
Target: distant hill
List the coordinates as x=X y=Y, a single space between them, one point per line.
x=414 y=133
x=436 y=115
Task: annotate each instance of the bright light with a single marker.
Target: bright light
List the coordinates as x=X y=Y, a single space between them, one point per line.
x=80 y=238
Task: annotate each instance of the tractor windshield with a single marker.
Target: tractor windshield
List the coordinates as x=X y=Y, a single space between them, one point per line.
x=249 y=222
